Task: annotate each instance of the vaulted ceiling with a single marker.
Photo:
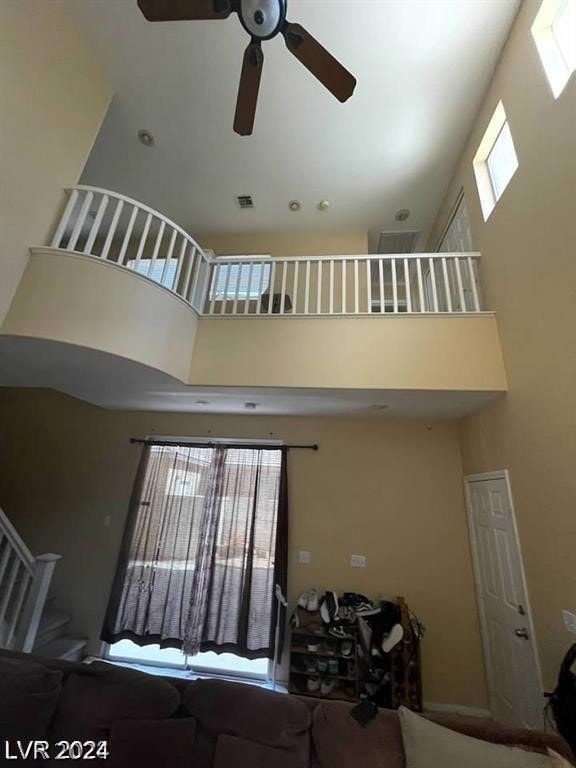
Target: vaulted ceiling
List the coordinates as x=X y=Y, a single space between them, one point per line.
x=422 y=68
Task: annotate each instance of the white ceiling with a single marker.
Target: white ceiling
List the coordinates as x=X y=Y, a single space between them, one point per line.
x=422 y=67
x=116 y=383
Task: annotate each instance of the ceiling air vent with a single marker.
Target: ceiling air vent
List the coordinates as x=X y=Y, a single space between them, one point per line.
x=245 y=202
x=398 y=242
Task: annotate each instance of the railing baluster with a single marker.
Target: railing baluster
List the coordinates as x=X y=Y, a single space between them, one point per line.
x=196 y=260
x=446 y=285
x=96 y=224
x=215 y=272
x=64 y=221
x=394 y=286
x=369 y=285
x=224 y=300
x=356 y=289
x=331 y=307
x=179 y=265
x=460 y=284
x=159 y=236
x=295 y=286
x=207 y=276
x=344 y=279
x=420 y=285
x=307 y=288
x=381 y=281
x=283 y=288
x=473 y=284
x=166 y=270
x=127 y=236
x=319 y=288
x=248 y=288
x=272 y=287
x=112 y=230
x=5 y=558
x=190 y=263
x=80 y=221
x=142 y=244
x=237 y=291
x=261 y=289
x=407 y=286
x=8 y=587
x=433 y=281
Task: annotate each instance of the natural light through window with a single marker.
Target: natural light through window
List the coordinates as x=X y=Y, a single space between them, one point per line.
x=160 y=272
x=495 y=161
x=240 y=281
x=554 y=32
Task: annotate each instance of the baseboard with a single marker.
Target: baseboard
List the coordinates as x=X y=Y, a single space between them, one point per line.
x=455 y=709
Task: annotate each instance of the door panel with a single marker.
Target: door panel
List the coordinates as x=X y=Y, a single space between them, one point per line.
x=509 y=645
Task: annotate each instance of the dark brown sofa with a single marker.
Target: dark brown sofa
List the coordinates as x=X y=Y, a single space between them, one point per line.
x=155 y=722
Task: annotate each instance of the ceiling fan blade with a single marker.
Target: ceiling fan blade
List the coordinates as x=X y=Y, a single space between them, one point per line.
x=319 y=61
x=184 y=10
x=248 y=89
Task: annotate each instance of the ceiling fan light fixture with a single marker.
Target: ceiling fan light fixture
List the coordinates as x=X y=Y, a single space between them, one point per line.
x=295 y=205
x=402 y=214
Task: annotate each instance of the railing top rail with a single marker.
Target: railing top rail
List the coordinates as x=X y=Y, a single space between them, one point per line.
x=354 y=257
x=143 y=207
x=16 y=542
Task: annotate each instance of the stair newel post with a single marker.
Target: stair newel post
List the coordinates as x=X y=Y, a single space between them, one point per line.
x=43 y=570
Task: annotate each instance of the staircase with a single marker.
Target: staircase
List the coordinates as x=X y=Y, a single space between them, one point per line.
x=28 y=620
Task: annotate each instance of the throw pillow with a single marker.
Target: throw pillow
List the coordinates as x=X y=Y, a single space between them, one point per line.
x=152 y=743
x=558 y=761
x=428 y=745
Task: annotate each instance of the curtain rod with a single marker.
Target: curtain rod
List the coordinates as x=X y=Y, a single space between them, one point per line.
x=215 y=444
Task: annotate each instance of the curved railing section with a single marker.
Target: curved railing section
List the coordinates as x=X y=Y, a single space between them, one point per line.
x=106 y=225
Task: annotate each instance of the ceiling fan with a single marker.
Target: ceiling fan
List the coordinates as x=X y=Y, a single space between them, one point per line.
x=263 y=20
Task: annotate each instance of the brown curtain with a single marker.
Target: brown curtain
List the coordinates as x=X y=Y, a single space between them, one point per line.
x=205 y=543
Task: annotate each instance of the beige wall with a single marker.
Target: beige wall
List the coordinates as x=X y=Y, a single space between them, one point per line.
x=422 y=352
x=389 y=490
x=53 y=97
x=96 y=304
x=528 y=272
x=287 y=243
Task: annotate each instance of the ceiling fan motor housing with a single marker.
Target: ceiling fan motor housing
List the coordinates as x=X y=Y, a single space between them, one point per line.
x=262 y=19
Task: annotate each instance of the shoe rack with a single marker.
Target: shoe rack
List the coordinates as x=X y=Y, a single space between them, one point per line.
x=322 y=658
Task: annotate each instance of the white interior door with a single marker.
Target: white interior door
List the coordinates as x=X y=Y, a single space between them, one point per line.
x=514 y=679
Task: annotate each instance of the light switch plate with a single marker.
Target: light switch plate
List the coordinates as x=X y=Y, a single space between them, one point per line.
x=304 y=556
x=358 y=561
x=569 y=620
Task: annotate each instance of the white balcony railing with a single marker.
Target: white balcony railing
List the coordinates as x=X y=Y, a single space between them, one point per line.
x=105 y=225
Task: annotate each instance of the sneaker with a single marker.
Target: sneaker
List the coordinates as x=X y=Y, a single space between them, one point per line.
x=338 y=631
x=313 y=646
x=312 y=601
x=329 y=607
x=303 y=599
x=333 y=667
x=346 y=647
x=329 y=647
x=327 y=686
x=310 y=664
x=393 y=638
x=322 y=665
x=313 y=684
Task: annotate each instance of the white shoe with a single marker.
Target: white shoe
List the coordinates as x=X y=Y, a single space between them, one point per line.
x=392 y=638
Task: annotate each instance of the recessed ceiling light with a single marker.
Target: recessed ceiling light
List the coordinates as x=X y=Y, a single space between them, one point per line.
x=202 y=402
x=146 y=138
x=250 y=406
x=294 y=205
x=323 y=205
x=402 y=214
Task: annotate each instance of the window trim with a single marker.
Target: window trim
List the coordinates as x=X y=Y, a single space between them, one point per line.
x=551 y=54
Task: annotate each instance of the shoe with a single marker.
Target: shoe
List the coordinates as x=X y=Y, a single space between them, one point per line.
x=346 y=648
x=329 y=647
x=310 y=664
x=303 y=599
x=322 y=665
x=313 y=684
x=313 y=646
x=337 y=631
x=327 y=686
x=333 y=667
x=312 y=601
x=329 y=607
x=393 y=638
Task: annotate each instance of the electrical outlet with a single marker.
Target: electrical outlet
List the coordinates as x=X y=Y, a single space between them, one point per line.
x=358 y=561
x=569 y=619
x=304 y=557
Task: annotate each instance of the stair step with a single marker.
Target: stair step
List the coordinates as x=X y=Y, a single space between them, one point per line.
x=68 y=648
x=52 y=625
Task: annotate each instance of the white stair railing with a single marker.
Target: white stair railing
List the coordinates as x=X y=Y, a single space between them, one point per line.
x=106 y=225
x=24 y=584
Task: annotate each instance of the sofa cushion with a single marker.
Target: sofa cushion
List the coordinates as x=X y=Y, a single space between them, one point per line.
x=250 y=712
x=152 y=743
x=341 y=742
x=91 y=703
x=28 y=696
x=232 y=752
x=429 y=744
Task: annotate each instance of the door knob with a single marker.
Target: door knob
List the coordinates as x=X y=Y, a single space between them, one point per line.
x=522 y=632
